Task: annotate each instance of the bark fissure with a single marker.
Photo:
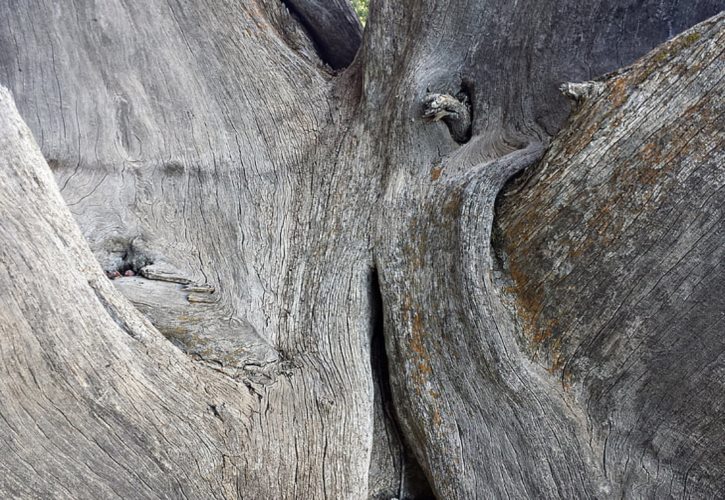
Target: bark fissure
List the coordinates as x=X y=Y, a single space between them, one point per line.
x=405 y=480
x=111 y=310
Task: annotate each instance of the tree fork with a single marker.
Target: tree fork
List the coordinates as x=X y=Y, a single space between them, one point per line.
x=216 y=145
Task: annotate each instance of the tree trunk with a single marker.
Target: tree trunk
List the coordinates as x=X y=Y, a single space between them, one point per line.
x=329 y=296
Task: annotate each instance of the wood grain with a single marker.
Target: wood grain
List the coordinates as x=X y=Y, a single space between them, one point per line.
x=328 y=301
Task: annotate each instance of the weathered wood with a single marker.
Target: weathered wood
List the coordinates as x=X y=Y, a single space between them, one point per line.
x=483 y=417
x=94 y=402
x=615 y=246
x=282 y=223
x=190 y=137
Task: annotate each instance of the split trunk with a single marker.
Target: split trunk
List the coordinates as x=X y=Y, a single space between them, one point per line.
x=329 y=297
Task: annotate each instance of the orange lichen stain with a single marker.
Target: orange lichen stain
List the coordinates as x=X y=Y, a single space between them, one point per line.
x=541 y=335
x=529 y=290
x=566 y=380
x=651 y=152
x=452 y=207
x=699 y=112
x=529 y=300
x=417 y=325
x=437 y=419
x=648 y=175
x=434 y=394
x=618 y=92
x=578 y=246
x=435 y=173
x=417 y=246
x=578 y=142
x=536 y=327
x=558 y=360
x=416 y=261
x=405 y=307
x=418 y=382
x=417 y=344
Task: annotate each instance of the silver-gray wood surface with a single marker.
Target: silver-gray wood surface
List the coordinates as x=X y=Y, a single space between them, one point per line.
x=332 y=298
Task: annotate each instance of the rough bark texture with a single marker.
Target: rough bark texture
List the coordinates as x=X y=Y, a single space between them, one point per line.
x=95 y=402
x=187 y=137
x=284 y=223
x=629 y=216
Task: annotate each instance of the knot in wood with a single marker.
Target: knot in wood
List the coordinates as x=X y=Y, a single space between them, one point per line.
x=455 y=113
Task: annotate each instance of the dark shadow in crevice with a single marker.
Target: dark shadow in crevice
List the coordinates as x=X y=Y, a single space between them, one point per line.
x=405 y=478
x=466 y=95
x=333 y=28
x=453 y=109
x=125 y=259
x=498 y=254
x=513 y=185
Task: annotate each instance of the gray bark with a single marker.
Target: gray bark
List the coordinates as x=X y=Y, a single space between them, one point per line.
x=328 y=301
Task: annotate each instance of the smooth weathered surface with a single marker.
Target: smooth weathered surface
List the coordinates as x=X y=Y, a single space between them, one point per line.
x=189 y=136
x=95 y=403
x=275 y=212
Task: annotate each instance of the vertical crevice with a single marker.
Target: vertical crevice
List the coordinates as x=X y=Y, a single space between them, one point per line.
x=468 y=94
x=512 y=186
x=394 y=471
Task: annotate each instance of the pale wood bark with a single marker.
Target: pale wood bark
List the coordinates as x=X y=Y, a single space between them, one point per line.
x=95 y=402
x=285 y=221
x=189 y=135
